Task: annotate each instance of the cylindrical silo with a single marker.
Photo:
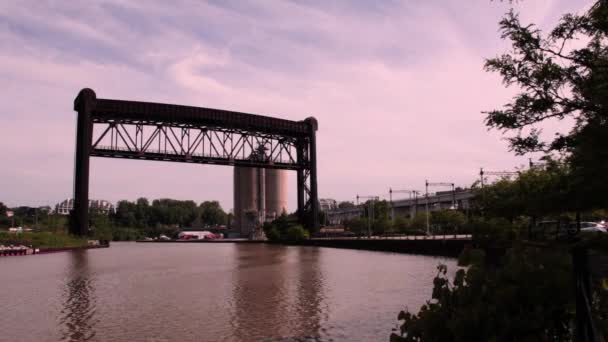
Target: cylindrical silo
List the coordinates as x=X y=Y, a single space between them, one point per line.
x=276 y=193
x=245 y=198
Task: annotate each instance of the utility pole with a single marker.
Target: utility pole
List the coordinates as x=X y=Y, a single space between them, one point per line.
x=370 y=211
x=411 y=192
x=428 y=230
x=483 y=173
x=427 y=199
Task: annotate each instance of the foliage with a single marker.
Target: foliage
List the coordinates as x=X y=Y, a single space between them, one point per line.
x=536 y=192
x=485 y=303
x=3 y=209
x=381 y=209
x=285 y=228
x=297 y=233
x=447 y=221
x=401 y=224
x=382 y=226
x=346 y=205
x=211 y=213
x=559 y=81
x=42 y=239
x=493 y=231
x=419 y=221
x=163 y=212
x=357 y=225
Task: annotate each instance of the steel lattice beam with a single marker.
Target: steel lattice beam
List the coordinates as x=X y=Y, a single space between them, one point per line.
x=117 y=139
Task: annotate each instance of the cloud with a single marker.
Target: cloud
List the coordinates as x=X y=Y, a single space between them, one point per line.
x=398 y=87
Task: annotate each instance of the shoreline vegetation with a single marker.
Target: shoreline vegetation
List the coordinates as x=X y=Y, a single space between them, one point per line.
x=43 y=240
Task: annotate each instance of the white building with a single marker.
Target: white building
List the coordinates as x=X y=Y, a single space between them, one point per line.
x=101 y=206
x=327 y=204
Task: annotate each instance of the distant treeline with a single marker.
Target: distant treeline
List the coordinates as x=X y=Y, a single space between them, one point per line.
x=168 y=212
x=131 y=220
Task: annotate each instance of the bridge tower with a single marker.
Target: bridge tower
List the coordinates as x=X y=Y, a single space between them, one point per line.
x=165 y=132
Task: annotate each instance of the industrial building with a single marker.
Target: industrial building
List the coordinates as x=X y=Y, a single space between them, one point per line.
x=260 y=195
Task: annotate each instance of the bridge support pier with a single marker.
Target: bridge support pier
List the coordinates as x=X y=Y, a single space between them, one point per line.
x=314 y=195
x=79 y=217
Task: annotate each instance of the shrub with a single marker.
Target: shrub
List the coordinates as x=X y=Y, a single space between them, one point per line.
x=528 y=298
x=297 y=233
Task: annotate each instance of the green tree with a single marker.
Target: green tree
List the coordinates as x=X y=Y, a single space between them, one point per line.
x=356 y=225
x=285 y=228
x=419 y=221
x=401 y=224
x=485 y=303
x=560 y=81
x=296 y=233
x=536 y=192
x=382 y=226
x=211 y=213
x=142 y=212
x=3 y=209
x=448 y=221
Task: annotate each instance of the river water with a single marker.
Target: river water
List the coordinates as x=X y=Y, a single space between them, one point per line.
x=210 y=292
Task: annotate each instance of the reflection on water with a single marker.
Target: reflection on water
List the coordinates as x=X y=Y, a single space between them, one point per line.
x=274 y=283
x=261 y=291
x=78 y=313
x=311 y=311
x=210 y=292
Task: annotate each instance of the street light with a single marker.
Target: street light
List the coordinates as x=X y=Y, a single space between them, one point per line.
x=414 y=192
x=370 y=212
x=427 y=184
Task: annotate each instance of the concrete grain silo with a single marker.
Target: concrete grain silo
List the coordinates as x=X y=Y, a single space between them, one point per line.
x=245 y=197
x=276 y=193
x=259 y=195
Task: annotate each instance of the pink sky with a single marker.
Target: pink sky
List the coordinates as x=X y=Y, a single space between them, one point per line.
x=397 y=87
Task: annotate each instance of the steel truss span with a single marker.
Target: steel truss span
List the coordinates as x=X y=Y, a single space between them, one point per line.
x=163 y=132
x=194 y=144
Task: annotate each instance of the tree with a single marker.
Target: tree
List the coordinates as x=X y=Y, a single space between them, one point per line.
x=356 y=225
x=285 y=228
x=401 y=224
x=3 y=209
x=557 y=82
x=142 y=212
x=346 y=205
x=382 y=226
x=529 y=299
x=381 y=209
x=536 y=192
x=419 y=221
x=448 y=221
x=211 y=213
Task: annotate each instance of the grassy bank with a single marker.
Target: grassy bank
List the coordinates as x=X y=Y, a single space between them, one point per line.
x=43 y=240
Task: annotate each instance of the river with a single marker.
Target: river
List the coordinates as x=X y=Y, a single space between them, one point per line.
x=210 y=292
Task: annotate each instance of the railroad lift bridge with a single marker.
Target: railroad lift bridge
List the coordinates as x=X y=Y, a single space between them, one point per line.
x=166 y=132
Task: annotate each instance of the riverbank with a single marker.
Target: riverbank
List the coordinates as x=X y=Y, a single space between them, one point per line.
x=29 y=243
x=432 y=247
x=447 y=247
x=43 y=240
